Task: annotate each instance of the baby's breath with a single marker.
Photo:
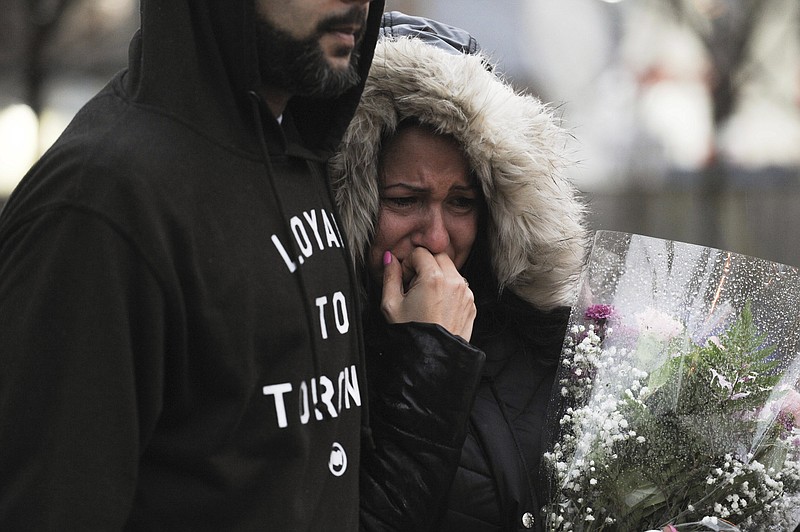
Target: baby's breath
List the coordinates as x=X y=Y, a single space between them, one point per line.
x=617 y=429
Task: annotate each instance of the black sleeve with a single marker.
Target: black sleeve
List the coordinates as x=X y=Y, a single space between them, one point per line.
x=81 y=335
x=421 y=388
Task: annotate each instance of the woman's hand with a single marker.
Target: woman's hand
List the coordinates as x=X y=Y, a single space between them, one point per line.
x=436 y=292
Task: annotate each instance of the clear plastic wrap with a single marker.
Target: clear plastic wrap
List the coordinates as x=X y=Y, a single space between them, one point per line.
x=676 y=404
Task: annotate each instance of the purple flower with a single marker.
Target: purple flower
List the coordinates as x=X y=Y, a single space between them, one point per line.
x=785 y=421
x=599 y=313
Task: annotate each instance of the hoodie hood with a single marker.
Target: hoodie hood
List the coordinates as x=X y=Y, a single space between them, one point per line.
x=515 y=145
x=197 y=60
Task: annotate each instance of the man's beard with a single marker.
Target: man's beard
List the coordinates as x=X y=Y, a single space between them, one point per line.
x=300 y=66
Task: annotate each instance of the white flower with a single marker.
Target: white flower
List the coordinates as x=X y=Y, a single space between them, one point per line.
x=659 y=324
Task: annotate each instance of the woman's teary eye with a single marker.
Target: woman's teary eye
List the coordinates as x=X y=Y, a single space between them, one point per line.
x=399 y=201
x=464 y=203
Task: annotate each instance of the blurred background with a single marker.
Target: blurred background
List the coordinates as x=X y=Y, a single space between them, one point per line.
x=685 y=114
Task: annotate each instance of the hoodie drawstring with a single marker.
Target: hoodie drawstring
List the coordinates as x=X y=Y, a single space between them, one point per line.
x=309 y=312
x=366 y=431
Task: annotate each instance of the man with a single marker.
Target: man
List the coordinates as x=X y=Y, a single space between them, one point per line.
x=179 y=334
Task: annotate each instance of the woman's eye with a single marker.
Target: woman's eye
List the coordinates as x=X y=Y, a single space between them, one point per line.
x=405 y=201
x=463 y=203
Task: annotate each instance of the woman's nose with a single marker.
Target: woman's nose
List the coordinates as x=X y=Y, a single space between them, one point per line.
x=432 y=232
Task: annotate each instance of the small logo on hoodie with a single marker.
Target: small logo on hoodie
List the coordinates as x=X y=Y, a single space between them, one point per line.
x=337 y=463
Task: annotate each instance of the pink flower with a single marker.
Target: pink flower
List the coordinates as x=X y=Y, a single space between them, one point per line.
x=599 y=312
x=790 y=405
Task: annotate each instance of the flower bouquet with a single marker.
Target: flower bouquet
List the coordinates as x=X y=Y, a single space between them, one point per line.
x=675 y=407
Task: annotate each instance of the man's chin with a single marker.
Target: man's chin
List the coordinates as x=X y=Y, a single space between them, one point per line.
x=338 y=64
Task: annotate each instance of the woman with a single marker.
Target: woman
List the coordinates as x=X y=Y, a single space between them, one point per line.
x=444 y=159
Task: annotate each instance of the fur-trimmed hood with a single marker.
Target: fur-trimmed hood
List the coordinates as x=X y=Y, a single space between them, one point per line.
x=536 y=228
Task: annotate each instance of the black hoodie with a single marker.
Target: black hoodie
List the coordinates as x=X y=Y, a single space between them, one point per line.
x=179 y=342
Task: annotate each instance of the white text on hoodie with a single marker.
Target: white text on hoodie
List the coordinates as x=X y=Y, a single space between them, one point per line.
x=317 y=397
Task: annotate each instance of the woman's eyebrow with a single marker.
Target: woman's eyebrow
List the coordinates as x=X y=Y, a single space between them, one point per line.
x=422 y=190
x=406 y=186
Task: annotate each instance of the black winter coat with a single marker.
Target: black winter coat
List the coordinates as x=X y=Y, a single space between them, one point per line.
x=497 y=485
x=424 y=380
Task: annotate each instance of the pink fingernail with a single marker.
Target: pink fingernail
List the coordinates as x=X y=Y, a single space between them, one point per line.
x=387 y=257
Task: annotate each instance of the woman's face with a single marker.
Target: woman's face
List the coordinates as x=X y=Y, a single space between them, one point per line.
x=427 y=199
